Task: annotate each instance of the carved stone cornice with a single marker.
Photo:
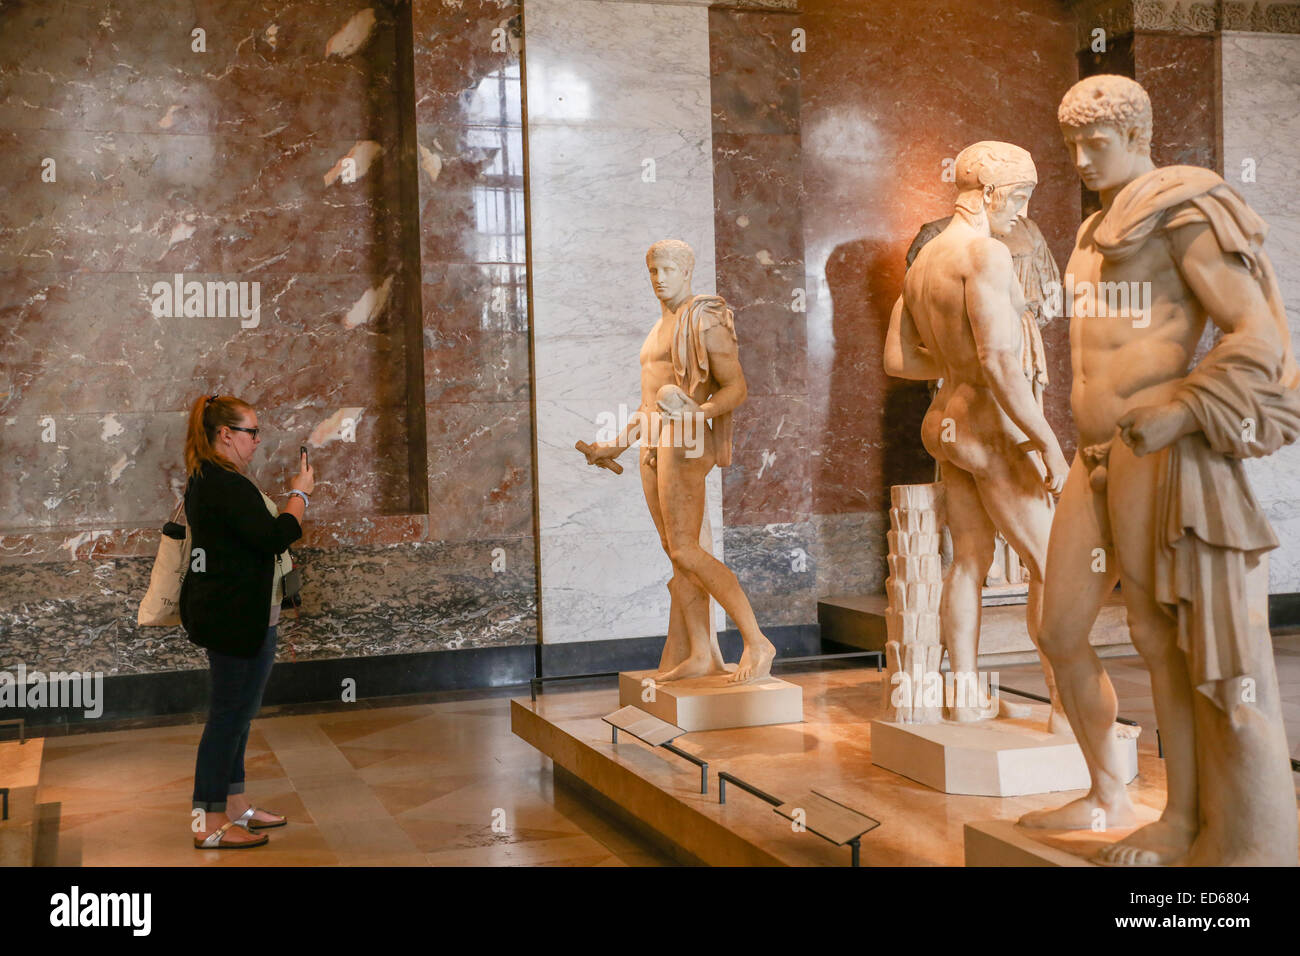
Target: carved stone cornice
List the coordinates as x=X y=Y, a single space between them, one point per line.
x=1118 y=17
x=1261 y=17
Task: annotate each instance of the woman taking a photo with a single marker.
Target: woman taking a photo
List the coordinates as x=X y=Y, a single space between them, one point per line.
x=230 y=604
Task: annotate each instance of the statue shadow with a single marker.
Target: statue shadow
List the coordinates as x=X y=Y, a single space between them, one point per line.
x=873 y=434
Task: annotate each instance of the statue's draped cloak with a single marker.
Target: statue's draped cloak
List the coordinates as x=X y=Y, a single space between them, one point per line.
x=690 y=358
x=1210 y=530
x=1035 y=271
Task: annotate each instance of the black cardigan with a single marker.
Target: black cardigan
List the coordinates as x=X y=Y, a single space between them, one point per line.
x=225 y=607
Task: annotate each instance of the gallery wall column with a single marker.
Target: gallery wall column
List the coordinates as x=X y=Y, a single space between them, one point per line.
x=619 y=146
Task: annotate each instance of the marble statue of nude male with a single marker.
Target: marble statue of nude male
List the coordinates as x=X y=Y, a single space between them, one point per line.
x=1157 y=496
x=959 y=320
x=691 y=382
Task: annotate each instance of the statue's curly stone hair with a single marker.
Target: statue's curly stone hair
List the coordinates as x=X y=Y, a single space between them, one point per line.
x=676 y=251
x=1108 y=98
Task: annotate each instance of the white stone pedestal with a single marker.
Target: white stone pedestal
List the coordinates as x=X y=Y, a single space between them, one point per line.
x=1004 y=757
x=1004 y=843
x=710 y=703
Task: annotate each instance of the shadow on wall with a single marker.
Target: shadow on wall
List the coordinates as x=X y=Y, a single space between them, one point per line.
x=873 y=438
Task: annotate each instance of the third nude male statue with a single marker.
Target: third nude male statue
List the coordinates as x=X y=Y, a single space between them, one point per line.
x=1157 y=496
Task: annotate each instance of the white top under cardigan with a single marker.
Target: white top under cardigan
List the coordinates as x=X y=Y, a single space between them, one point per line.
x=283 y=565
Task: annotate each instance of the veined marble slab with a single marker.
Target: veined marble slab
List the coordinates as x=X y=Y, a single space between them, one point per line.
x=1261 y=86
x=571 y=375
x=604 y=586
x=603 y=189
x=617 y=64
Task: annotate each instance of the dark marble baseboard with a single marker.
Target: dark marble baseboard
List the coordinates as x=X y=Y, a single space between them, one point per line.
x=1283 y=610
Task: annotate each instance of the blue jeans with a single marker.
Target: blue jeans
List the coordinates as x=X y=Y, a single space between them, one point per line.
x=237 y=686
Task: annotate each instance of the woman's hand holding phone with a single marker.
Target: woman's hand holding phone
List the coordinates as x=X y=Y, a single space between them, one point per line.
x=305 y=480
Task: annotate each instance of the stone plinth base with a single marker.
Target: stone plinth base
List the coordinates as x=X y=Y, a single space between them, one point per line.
x=1003 y=843
x=20 y=771
x=710 y=703
x=1005 y=757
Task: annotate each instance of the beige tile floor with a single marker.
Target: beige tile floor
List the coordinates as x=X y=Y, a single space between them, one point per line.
x=412 y=784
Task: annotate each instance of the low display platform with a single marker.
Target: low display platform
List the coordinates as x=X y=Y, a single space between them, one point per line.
x=658 y=794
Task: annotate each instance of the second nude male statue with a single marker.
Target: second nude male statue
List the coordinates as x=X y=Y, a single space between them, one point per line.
x=959 y=320
x=690 y=375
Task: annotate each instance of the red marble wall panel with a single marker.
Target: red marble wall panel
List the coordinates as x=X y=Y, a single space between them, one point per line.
x=469 y=129
x=399 y=294
x=221 y=164
x=758 y=239
x=1180 y=73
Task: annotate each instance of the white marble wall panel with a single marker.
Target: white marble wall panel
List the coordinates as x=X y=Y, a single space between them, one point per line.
x=617 y=64
x=591 y=174
x=610 y=86
x=1261 y=122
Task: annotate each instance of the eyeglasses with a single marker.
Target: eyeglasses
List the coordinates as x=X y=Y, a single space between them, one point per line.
x=241 y=428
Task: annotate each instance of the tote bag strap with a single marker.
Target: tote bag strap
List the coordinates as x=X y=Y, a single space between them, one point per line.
x=180 y=505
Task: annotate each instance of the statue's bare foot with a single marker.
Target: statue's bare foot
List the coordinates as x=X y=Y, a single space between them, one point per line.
x=1155 y=844
x=1058 y=723
x=1086 y=813
x=1006 y=709
x=755 y=662
x=1127 y=731
x=696 y=665
x=968 y=715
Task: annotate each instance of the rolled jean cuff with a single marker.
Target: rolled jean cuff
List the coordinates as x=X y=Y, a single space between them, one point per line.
x=235 y=788
x=210 y=806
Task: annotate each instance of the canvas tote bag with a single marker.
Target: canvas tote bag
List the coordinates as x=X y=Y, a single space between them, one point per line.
x=161 y=606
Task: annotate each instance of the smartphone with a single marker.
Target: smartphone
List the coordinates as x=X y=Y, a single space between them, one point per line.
x=302 y=454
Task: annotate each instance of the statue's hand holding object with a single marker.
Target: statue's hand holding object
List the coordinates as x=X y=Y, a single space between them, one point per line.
x=601 y=454
x=675 y=404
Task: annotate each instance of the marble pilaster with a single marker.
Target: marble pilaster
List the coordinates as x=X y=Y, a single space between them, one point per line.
x=1261 y=140
x=619 y=134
